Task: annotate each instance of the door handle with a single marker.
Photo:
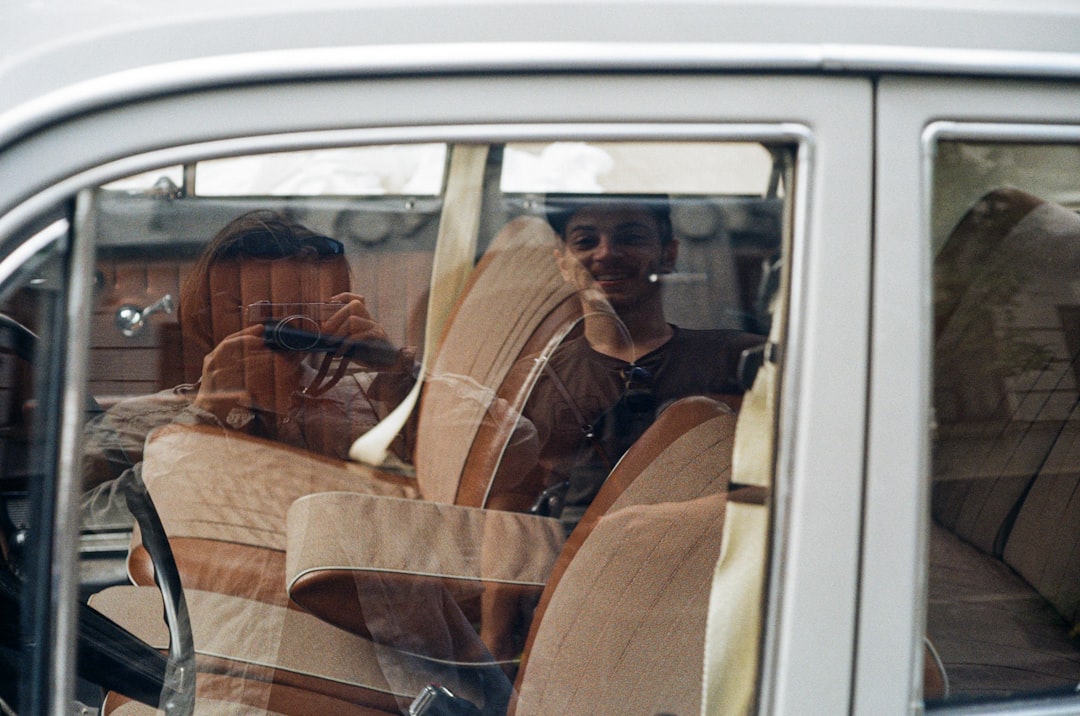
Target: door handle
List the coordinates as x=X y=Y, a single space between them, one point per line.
x=131 y=320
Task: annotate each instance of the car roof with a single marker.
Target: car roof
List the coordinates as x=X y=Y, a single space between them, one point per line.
x=64 y=52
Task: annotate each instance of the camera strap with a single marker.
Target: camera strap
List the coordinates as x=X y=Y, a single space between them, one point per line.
x=317 y=386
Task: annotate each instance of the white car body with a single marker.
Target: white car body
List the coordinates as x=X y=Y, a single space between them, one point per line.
x=93 y=91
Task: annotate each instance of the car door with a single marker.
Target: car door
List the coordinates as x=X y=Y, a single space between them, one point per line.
x=805 y=635
x=970 y=423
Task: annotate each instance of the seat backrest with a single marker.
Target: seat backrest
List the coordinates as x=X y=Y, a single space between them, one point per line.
x=1022 y=364
x=1007 y=417
x=620 y=626
x=515 y=304
x=1004 y=371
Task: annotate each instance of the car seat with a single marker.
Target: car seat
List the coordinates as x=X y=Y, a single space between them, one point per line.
x=627 y=600
x=223 y=497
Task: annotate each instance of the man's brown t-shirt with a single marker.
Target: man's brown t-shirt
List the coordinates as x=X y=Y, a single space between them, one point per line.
x=579 y=384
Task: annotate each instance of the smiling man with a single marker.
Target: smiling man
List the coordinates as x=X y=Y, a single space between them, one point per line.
x=600 y=391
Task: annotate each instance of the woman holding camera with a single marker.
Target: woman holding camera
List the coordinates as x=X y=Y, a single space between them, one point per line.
x=276 y=345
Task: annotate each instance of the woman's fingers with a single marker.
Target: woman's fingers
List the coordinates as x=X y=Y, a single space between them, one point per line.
x=353 y=321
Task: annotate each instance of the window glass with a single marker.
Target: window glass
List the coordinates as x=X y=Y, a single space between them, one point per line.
x=398 y=411
x=1004 y=579
x=353 y=171
x=686 y=168
x=167 y=181
x=29 y=317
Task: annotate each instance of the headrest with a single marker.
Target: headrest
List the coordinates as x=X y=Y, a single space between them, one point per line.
x=1000 y=281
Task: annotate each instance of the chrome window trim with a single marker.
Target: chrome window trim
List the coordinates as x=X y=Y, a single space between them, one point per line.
x=80 y=276
x=22 y=253
x=787 y=401
x=1050 y=133
x=935 y=132
x=530 y=57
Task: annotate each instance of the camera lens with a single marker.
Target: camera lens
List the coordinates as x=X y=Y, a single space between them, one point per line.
x=293 y=333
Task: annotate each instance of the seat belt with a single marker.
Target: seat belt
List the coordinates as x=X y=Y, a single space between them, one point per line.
x=733 y=628
x=455 y=251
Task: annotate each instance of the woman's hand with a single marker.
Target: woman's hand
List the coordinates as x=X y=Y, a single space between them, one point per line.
x=243 y=372
x=353 y=321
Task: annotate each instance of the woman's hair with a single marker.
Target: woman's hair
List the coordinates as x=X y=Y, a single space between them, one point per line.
x=265 y=234
x=257 y=237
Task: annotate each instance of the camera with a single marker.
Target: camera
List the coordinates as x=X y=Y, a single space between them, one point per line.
x=294 y=326
x=298 y=328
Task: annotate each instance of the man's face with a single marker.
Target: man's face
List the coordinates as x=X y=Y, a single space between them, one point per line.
x=620 y=250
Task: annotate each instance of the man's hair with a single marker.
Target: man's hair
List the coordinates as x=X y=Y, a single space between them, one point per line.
x=560 y=208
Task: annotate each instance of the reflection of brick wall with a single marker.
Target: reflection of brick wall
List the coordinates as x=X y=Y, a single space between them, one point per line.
x=122 y=365
x=394 y=285
x=395 y=288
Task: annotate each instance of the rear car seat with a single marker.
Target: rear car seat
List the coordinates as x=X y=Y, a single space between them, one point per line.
x=1004 y=588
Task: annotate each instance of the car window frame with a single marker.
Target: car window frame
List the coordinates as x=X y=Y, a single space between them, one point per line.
x=914 y=114
x=805 y=580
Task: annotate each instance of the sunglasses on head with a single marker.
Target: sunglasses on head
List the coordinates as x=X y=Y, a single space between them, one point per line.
x=268 y=245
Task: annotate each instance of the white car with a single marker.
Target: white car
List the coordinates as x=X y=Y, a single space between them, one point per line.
x=540 y=357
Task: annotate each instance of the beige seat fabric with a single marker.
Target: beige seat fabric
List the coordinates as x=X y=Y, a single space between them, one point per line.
x=620 y=628
x=994 y=279
x=282 y=659
x=373 y=568
x=516 y=304
x=227 y=529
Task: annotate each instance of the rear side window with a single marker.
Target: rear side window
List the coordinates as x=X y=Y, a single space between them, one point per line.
x=31 y=323
x=1004 y=586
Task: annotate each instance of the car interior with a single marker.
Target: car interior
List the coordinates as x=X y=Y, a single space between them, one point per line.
x=222 y=568
x=258 y=572
x=1003 y=588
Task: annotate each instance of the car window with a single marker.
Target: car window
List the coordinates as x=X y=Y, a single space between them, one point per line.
x=1004 y=581
x=32 y=296
x=469 y=433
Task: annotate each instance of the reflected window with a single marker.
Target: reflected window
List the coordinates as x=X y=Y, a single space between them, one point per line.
x=596 y=167
x=354 y=171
